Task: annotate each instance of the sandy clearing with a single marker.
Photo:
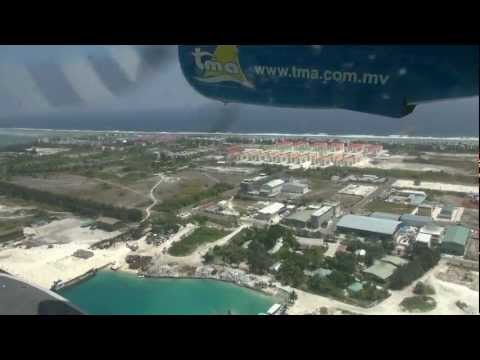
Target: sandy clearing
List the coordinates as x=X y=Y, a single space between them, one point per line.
x=66 y=231
x=44 y=266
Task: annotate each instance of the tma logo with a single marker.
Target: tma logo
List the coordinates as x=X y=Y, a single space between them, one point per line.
x=222 y=65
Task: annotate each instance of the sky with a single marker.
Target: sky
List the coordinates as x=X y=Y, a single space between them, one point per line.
x=38 y=80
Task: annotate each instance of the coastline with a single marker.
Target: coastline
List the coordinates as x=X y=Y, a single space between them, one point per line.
x=319 y=135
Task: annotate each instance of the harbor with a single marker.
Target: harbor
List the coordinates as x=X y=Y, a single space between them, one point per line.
x=128 y=294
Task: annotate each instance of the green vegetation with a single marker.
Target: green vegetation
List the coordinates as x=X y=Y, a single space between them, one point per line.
x=461 y=305
x=383 y=206
x=256 y=254
x=423 y=289
x=423 y=260
x=441 y=176
x=418 y=303
x=375 y=249
x=80 y=206
x=165 y=224
x=200 y=236
x=191 y=194
x=456 y=163
x=14 y=143
x=415 y=149
x=370 y=293
x=6 y=226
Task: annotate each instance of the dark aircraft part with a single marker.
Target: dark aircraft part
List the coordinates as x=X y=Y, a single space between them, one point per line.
x=383 y=80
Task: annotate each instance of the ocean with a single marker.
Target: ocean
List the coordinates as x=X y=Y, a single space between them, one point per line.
x=117 y=293
x=447 y=119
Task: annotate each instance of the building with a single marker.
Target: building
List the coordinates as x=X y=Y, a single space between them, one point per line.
x=425 y=210
x=253 y=184
x=270 y=213
x=337 y=210
x=394 y=260
x=380 y=271
x=300 y=219
x=472 y=251
x=272 y=188
x=358 y=190
x=416 y=220
x=295 y=187
x=13 y=234
x=384 y=215
x=423 y=239
x=383 y=269
x=411 y=197
x=455 y=240
x=322 y=216
x=108 y=223
x=436 y=233
x=368 y=226
x=446 y=213
x=355 y=287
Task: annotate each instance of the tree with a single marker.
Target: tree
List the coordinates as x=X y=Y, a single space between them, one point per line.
x=406 y=274
x=345 y=262
x=292 y=297
x=291 y=273
x=258 y=258
x=423 y=289
x=340 y=279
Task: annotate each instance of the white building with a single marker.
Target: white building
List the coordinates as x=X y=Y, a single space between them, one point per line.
x=272 y=188
x=424 y=239
x=436 y=233
x=270 y=213
x=295 y=187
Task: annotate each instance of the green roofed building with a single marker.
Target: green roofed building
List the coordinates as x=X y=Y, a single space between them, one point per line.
x=380 y=271
x=455 y=239
x=355 y=287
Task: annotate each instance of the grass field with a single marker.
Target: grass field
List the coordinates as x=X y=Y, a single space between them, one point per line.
x=383 y=206
x=200 y=236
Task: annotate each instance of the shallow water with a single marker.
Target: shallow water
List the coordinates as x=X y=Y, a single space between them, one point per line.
x=112 y=293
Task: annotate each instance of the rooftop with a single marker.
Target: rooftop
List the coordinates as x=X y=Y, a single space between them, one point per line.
x=432 y=229
x=322 y=210
x=423 y=238
x=394 y=260
x=384 y=215
x=457 y=234
x=302 y=215
x=274 y=183
x=416 y=218
x=366 y=223
x=355 y=287
x=271 y=209
x=382 y=270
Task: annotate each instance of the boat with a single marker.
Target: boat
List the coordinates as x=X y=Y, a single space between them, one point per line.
x=115 y=266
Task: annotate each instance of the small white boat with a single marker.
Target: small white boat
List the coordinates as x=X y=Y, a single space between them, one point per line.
x=115 y=267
